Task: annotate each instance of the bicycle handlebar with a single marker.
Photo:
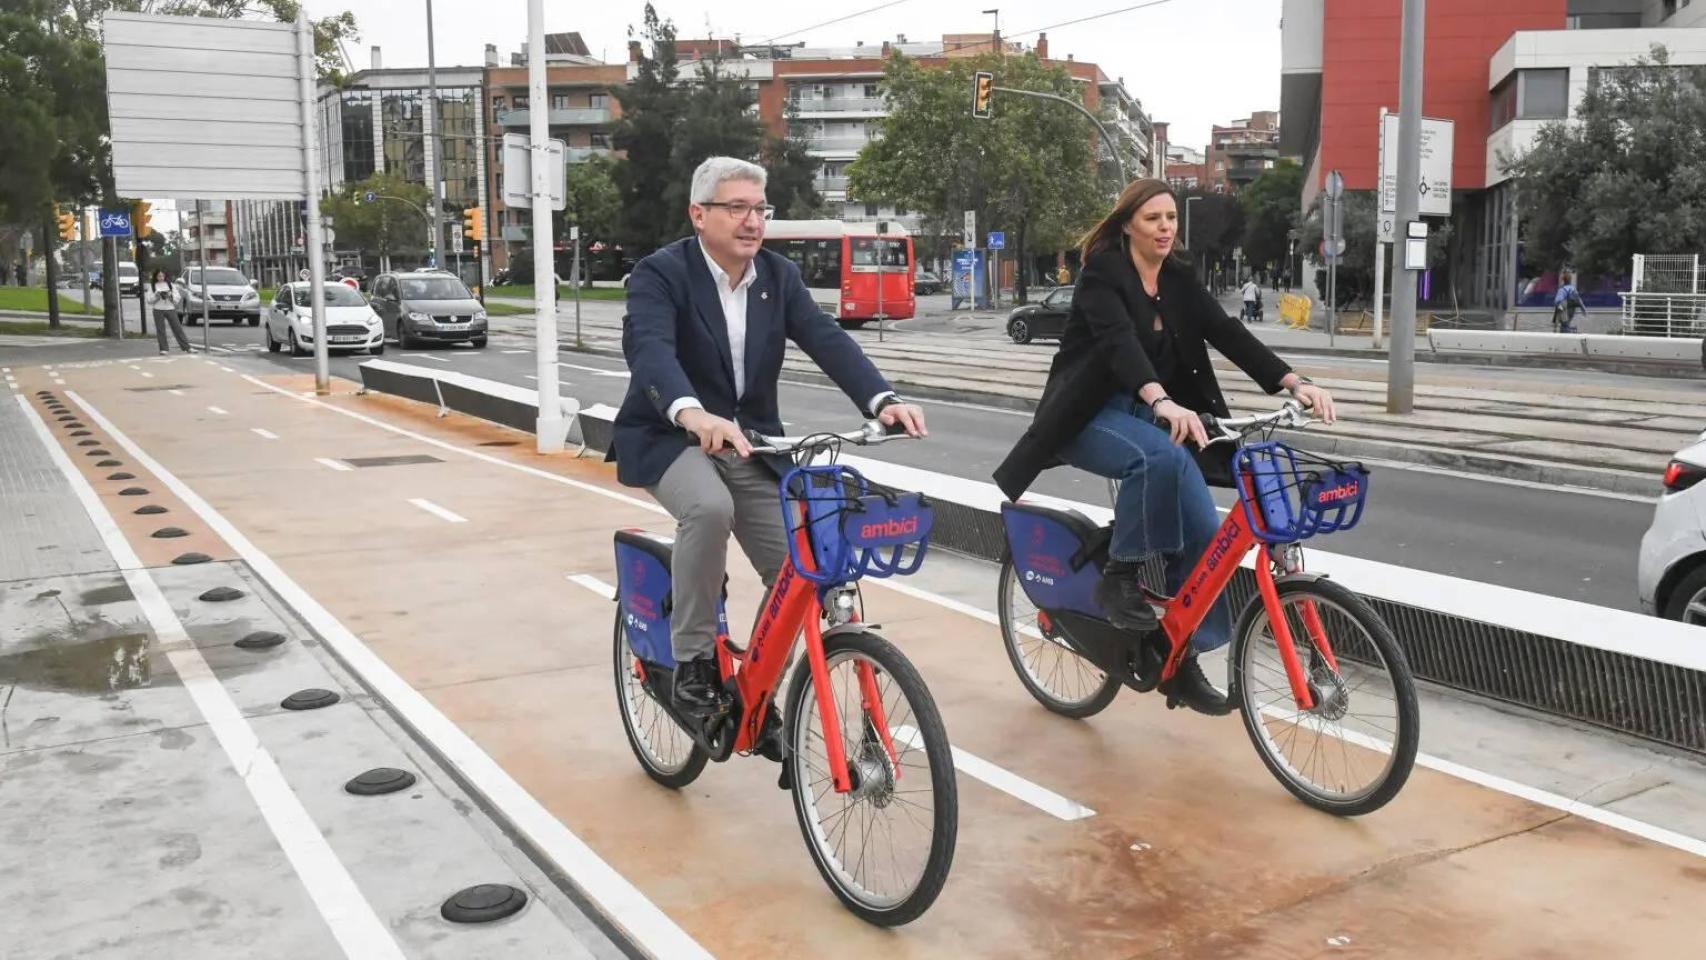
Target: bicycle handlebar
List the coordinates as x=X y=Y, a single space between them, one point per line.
x=870 y=434
x=1232 y=429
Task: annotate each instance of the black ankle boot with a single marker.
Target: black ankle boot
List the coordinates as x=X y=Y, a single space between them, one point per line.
x=699 y=687
x=1120 y=595
x=1191 y=687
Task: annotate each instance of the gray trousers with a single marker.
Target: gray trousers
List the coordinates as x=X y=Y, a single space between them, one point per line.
x=163 y=317
x=710 y=497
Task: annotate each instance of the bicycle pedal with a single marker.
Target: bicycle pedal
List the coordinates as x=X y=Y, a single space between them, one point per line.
x=785 y=779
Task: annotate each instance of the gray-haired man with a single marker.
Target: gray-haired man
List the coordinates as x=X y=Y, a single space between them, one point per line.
x=707 y=324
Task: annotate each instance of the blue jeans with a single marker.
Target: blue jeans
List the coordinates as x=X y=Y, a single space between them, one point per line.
x=1163 y=506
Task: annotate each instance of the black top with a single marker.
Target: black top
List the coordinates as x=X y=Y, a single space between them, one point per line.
x=1110 y=347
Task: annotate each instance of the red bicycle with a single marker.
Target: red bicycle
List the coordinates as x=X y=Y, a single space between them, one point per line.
x=861 y=743
x=1325 y=691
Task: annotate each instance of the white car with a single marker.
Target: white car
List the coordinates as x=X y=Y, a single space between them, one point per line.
x=350 y=323
x=129 y=280
x=230 y=296
x=1672 y=568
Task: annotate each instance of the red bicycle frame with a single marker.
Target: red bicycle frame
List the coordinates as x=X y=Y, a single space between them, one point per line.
x=791 y=607
x=1210 y=578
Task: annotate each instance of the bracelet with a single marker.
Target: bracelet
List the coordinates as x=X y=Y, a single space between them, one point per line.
x=1301 y=380
x=1158 y=401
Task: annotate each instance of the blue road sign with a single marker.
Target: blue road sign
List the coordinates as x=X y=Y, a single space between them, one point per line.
x=369 y=197
x=115 y=223
x=997 y=240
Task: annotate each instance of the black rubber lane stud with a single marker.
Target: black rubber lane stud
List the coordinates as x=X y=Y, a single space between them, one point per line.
x=185 y=559
x=99 y=453
x=114 y=463
x=169 y=533
x=79 y=433
x=67 y=416
x=88 y=443
x=121 y=476
x=152 y=510
x=133 y=492
x=221 y=595
x=483 y=903
x=310 y=699
x=260 y=639
x=379 y=781
x=44 y=393
x=74 y=425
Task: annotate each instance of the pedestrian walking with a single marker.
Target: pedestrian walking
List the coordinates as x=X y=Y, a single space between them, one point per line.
x=1565 y=303
x=163 y=299
x=22 y=273
x=1252 y=300
x=1063 y=276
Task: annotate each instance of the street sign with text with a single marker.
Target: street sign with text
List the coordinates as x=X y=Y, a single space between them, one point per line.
x=968 y=233
x=1434 y=189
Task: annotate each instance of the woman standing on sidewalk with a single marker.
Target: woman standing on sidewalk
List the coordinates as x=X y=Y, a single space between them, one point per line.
x=1122 y=401
x=163 y=297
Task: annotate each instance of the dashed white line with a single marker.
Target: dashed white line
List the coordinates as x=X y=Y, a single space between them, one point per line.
x=594 y=584
x=1005 y=781
x=334 y=464
x=517 y=351
x=428 y=356
x=263 y=434
x=226 y=369
x=219 y=410
x=621 y=374
x=437 y=510
x=175 y=393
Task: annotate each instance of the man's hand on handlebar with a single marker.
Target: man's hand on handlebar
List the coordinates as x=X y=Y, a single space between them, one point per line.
x=713 y=432
x=1182 y=423
x=907 y=416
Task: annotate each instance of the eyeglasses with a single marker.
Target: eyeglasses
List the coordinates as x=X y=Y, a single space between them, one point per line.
x=740 y=209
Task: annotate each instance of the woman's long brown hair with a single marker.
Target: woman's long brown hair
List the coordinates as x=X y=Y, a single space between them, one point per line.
x=1108 y=232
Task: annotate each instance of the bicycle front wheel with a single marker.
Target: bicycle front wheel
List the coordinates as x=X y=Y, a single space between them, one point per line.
x=1053 y=672
x=884 y=846
x=1351 y=752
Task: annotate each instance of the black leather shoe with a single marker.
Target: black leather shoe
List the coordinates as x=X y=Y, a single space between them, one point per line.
x=699 y=688
x=1120 y=595
x=1190 y=687
x=769 y=742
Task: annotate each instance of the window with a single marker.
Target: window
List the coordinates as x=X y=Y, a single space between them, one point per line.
x=1503 y=107
x=521 y=101
x=873 y=90
x=601 y=141
x=498 y=104
x=1545 y=94
x=870 y=209
x=599 y=101
x=559 y=101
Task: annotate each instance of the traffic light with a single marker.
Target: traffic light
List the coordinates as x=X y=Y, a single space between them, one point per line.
x=473 y=224
x=139 y=213
x=67 y=226
x=982 y=95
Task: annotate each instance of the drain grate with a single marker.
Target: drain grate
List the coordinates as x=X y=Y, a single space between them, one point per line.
x=391 y=461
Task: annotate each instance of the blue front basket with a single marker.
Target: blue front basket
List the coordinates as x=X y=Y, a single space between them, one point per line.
x=852 y=532
x=1290 y=495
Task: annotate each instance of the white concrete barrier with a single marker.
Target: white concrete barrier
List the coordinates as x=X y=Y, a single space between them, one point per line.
x=1600 y=345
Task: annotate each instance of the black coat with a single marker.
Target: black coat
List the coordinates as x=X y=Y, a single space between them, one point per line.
x=1102 y=356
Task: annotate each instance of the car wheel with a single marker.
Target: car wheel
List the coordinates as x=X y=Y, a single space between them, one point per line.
x=1020 y=331
x=296 y=349
x=255 y=321
x=1688 y=599
x=377 y=349
x=404 y=341
x=272 y=345
x=478 y=342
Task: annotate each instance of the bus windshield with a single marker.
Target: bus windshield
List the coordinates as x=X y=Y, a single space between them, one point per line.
x=866 y=251
x=819 y=260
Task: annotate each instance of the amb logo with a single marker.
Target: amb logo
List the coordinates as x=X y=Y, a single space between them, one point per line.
x=1342 y=492
x=1031 y=576
x=889 y=528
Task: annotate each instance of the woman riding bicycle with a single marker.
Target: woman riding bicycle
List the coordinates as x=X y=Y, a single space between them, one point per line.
x=1123 y=396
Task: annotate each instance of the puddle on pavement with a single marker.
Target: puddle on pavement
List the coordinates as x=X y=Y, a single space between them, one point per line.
x=117 y=593
x=60 y=662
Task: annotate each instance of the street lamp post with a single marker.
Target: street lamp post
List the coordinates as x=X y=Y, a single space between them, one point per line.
x=432 y=157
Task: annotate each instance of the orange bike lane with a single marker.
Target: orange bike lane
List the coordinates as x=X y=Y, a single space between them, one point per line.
x=446 y=550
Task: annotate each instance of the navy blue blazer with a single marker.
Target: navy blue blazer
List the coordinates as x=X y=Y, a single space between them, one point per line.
x=677 y=344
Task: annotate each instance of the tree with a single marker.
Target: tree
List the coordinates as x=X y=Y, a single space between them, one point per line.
x=1270 y=205
x=1627 y=176
x=592 y=200
x=792 y=188
x=652 y=109
x=1030 y=170
x=1216 y=222
x=384 y=227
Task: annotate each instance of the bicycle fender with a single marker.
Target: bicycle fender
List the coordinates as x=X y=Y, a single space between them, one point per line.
x=1305 y=576
x=875 y=629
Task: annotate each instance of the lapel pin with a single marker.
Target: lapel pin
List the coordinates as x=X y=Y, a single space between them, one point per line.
x=763 y=294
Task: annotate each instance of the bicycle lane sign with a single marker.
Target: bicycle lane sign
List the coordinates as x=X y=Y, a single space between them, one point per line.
x=115 y=223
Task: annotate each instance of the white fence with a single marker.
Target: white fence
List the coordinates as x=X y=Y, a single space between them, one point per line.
x=1666 y=297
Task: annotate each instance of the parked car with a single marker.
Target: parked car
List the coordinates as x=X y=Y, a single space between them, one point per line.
x=351 y=323
x=1671 y=571
x=926 y=282
x=129 y=278
x=230 y=296
x=1045 y=320
x=428 y=306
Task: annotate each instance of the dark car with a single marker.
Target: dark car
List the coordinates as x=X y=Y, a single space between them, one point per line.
x=1041 y=321
x=428 y=306
x=927 y=283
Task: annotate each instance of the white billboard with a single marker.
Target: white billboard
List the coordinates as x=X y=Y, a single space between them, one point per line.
x=518 y=172
x=205 y=108
x=1434 y=188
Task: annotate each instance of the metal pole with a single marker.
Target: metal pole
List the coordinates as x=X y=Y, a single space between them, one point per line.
x=575 y=232
x=1401 y=371
x=312 y=246
x=549 y=429
x=1379 y=289
x=432 y=172
x=201 y=267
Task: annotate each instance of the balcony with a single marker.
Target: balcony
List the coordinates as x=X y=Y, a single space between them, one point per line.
x=1263 y=149
x=836 y=143
x=831 y=184
x=838 y=105
x=573 y=117
x=583 y=154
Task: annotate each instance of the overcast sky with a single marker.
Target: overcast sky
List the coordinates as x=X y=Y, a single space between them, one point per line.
x=1193 y=63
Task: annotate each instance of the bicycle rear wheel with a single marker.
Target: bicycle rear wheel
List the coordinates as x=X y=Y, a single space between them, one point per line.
x=666 y=752
x=1351 y=752
x=885 y=846
x=1053 y=672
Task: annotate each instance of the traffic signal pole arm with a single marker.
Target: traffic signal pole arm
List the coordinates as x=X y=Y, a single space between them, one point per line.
x=427 y=218
x=1106 y=138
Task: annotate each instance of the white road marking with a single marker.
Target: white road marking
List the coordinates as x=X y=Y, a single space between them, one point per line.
x=175 y=393
x=334 y=892
x=146 y=373
x=620 y=374
x=429 y=356
x=263 y=434
x=1005 y=781
x=334 y=464
x=594 y=584
x=219 y=410
x=516 y=351
x=619 y=899
x=226 y=368
x=437 y=510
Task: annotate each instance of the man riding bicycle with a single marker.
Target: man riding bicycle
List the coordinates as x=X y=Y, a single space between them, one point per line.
x=707 y=324
x=1123 y=397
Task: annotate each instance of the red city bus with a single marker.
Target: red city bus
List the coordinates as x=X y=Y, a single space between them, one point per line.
x=840 y=264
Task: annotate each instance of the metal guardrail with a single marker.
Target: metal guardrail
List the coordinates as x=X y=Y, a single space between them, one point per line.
x=1621 y=671
x=1651 y=314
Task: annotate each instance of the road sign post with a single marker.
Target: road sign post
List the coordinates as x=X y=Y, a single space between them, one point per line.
x=1401 y=372
x=545 y=164
x=1333 y=246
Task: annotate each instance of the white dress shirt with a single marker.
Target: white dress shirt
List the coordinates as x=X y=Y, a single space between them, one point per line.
x=734 y=317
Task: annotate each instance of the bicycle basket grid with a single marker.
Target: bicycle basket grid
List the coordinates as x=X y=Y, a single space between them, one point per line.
x=851 y=531
x=1297 y=494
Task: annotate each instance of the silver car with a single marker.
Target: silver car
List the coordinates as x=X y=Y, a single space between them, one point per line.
x=1672 y=568
x=230 y=296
